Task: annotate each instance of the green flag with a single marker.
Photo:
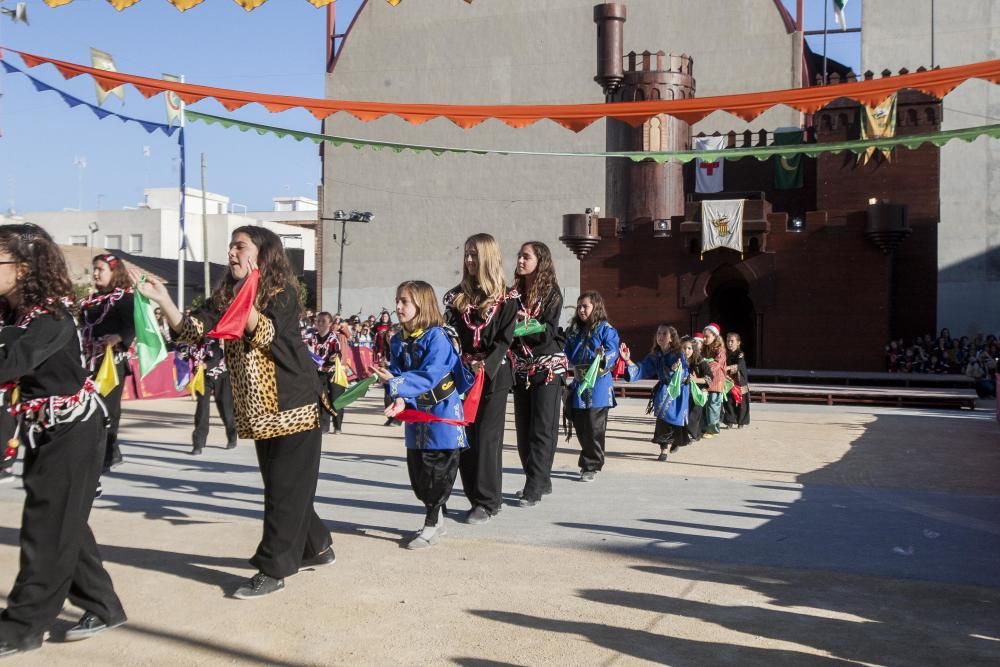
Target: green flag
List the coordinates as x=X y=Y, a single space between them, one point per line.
x=788 y=169
x=590 y=378
x=149 y=345
x=528 y=327
x=698 y=394
x=728 y=388
x=354 y=392
x=674 y=386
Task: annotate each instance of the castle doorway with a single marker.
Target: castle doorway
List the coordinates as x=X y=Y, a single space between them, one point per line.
x=732 y=308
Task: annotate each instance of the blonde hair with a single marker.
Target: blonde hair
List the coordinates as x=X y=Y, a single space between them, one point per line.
x=428 y=314
x=485 y=289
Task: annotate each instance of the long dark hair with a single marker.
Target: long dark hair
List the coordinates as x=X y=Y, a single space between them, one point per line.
x=119 y=275
x=45 y=275
x=675 y=340
x=598 y=315
x=275 y=271
x=545 y=284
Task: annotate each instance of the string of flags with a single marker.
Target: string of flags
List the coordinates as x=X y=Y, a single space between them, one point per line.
x=184 y=5
x=101 y=113
x=707 y=152
x=576 y=117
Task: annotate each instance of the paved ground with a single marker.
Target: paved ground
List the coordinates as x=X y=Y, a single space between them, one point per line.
x=816 y=536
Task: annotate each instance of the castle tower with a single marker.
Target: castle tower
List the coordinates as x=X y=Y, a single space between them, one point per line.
x=642 y=191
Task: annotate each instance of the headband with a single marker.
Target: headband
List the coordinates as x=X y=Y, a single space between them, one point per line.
x=111 y=260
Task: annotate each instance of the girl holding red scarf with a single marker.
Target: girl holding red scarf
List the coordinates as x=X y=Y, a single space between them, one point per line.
x=276 y=398
x=61 y=424
x=426 y=373
x=736 y=407
x=483 y=312
x=107 y=318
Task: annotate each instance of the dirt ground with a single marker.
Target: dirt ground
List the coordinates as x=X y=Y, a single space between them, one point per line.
x=815 y=536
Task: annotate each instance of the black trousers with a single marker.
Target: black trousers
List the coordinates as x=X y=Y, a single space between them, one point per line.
x=332 y=392
x=591 y=429
x=668 y=435
x=289 y=465
x=733 y=414
x=536 y=417
x=223 y=392
x=432 y=476
x=696 y=416
x=481 y=466
x=59 y=556
x=113 y=404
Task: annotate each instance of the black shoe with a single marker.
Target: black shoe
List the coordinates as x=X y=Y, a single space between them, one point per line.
x=588 y=475
x=528 y=502
x=196 y=451
x=662 y=456
x=325 y=557
x=99 y=490
x=89 y=625
x=477 y=515
x=336 y=431
x=673 y=448
x=389 y=422
x=231 y=445
x=116 y=457
x=258 y=586
x=9 y=648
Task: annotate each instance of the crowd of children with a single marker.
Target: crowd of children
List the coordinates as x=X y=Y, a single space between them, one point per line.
x=277 y=377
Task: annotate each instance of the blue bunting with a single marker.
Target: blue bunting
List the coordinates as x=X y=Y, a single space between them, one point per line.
x=71 y=101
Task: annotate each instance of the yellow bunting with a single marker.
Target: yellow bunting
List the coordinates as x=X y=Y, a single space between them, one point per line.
x=184 y=5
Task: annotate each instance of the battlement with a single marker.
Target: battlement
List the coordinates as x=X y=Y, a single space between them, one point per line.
x=659 y=62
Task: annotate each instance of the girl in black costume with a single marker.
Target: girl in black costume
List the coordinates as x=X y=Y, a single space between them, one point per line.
x=61 y=424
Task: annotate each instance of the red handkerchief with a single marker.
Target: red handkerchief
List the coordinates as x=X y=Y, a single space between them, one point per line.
x=233 y=322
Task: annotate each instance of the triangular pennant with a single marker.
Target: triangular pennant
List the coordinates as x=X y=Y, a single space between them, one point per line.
x=232 y=325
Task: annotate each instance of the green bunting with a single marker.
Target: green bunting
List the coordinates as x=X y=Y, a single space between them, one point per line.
x=857 y=146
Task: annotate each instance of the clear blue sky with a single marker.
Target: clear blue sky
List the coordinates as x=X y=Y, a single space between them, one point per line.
x=278 y=48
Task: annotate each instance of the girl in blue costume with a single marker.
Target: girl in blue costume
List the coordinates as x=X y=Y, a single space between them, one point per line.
x=590 y=336
x=662 y=362
x=425 y=372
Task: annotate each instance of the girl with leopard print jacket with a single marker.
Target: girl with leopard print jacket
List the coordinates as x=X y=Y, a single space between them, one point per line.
x=276 y=395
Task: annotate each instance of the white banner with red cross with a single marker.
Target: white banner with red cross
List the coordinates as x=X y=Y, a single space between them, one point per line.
x=708 y=173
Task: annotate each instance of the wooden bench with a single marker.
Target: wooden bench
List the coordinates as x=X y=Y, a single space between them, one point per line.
x=766 y=392
x=863 y=378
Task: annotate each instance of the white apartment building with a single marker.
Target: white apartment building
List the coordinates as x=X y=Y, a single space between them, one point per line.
x=152 y=228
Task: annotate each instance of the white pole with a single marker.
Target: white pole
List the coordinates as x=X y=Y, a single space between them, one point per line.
x=182 y=241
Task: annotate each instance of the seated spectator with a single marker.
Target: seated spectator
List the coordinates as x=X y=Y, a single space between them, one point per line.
x=979 y=369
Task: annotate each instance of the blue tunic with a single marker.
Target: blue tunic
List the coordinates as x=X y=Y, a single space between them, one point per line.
x=659 y=366
x=581 y=349
x=419 y=362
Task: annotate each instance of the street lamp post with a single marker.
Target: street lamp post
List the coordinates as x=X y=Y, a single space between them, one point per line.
x=344 y=218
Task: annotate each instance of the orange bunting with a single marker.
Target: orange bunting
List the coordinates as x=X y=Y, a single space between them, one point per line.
x=576 y=117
